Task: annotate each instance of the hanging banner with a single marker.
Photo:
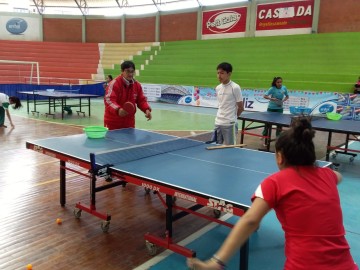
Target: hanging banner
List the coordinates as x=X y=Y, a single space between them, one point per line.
x=283 y=18
x=224 y=23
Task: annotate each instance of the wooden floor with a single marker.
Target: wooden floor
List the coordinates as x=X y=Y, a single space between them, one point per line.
x=29 y=201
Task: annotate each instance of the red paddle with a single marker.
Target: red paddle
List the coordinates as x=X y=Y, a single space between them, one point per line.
x=129 y=108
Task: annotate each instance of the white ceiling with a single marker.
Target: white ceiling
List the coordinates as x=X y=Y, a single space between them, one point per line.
x=104 y=7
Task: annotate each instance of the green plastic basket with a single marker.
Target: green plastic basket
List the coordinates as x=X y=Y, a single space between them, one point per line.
x=95 y=132
x=333 y=116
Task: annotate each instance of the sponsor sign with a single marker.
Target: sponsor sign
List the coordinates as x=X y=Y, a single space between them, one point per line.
x=185 y=196
x=152 y=91
x=225 y=21
x=285 y=15
x=16 y=26
x=220 y=205
x=26 y=27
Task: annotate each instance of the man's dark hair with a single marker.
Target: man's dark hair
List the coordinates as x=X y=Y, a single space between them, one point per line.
x=127 y=64
x=225 y=66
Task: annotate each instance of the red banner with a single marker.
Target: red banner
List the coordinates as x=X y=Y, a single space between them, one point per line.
x=285 y=15
x=224 y=21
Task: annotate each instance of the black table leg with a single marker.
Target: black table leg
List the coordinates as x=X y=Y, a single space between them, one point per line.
x=242 y=132
x=62 y=183
x=244 y=256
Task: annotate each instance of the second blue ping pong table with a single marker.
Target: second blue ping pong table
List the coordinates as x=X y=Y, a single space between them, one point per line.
x=181 y=168
x=57 y=99
x=351 y=129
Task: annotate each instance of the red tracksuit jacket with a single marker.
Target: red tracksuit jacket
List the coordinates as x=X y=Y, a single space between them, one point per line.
x=117 y=93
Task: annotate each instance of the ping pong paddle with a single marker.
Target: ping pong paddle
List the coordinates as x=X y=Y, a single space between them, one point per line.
x=129 y=108
x=225 y=146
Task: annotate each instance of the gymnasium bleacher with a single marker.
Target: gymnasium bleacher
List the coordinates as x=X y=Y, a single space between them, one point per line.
x=193 y=63
x=59 y=62
x=66 y=63
x=113 y=54
x=318 y=62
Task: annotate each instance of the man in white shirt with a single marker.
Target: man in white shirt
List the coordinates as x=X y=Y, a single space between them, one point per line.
x=230 y=106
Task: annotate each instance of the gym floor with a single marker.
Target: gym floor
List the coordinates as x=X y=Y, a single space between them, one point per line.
x=30 y=204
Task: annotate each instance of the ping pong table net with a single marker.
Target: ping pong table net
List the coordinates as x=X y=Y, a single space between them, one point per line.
x=137 y=152
x=55 y=92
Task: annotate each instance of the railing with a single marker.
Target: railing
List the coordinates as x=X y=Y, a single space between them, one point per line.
x=47 y=81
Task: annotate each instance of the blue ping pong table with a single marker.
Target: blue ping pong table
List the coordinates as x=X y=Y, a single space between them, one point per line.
x=351 y=128
x=223 y=179
x=54 y=99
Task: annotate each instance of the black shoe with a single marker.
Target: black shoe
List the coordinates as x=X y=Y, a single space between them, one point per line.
x=108 y=178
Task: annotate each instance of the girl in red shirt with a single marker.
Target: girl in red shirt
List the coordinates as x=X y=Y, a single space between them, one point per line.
x=307 y=204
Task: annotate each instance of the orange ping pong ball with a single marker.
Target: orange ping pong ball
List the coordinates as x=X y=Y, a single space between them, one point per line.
x=29 y=267
x=58 y=221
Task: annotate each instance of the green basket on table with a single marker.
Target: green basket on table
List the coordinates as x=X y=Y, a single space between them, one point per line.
x=95 y=132
x=333 y=116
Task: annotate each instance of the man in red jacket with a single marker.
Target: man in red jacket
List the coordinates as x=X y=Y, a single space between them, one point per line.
x=120 y=90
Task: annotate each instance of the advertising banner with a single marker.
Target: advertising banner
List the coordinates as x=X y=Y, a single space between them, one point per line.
x=152 y=91
x=319 y=102
x=349 y=106
x=20 y=28
x=224 y=23
x=292 y=16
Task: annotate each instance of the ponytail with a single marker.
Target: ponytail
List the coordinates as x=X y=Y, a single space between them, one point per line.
x=16 y=101
x=296 y=143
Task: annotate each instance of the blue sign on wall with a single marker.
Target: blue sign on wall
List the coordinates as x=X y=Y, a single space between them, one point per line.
x=16 y=26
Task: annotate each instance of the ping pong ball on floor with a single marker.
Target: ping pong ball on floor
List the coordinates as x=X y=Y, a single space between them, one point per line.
x=29 y=267
x=58 y=221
